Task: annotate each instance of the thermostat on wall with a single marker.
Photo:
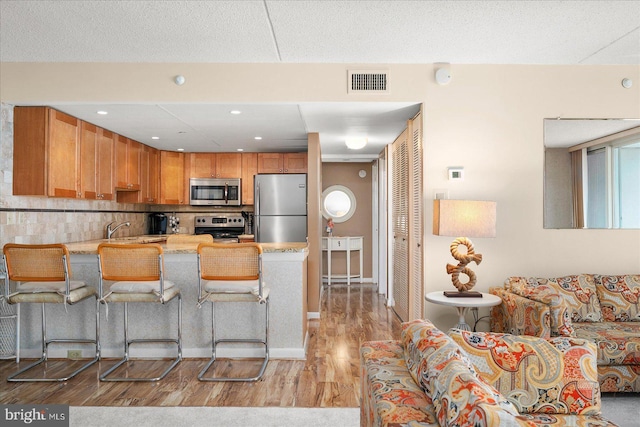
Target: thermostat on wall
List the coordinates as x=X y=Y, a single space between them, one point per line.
x=456 y=174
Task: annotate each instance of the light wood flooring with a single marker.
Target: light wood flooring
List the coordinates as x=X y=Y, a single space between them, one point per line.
x=330 y=377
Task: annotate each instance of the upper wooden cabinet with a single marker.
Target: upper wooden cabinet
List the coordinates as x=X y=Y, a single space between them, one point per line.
x=173 y=179
x=88 y=160
x=104 y=164
x=150 y=179
x=295 y=162
x=127 y=164
x=215 y=165
x=282 y=162
x=151 y=171
x=249 y=170
x=46 y=153
x=96 y=162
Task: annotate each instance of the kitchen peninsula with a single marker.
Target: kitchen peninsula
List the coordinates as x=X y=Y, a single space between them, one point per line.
x=284 y=272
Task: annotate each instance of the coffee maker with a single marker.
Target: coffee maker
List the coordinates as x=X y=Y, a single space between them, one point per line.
x=157 y=223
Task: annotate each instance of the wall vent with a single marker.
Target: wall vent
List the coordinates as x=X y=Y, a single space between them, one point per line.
x=368 y=81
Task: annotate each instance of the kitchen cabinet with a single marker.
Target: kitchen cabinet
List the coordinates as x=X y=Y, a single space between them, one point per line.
x=150 y=179
x=215 y=165
x=295 y=162
x=96 y=162
x=46 y=153
x=127 y=164
x=88 y=158
x=151 y=165
x=105 y=164
x=249 y=170
x=173 y=179
x=282 y=162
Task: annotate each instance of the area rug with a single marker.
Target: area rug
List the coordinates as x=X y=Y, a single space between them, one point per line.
x=621 y=408
x=109 y=416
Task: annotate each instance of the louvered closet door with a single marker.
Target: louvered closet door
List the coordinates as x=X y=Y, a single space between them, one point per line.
x=416 y=221
x=400 y=212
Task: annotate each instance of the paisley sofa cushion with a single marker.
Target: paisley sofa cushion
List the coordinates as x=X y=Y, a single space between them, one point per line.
x=556 y=376
x=619 y=297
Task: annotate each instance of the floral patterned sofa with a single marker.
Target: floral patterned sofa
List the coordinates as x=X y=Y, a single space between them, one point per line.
x=429 y=378
x=599 y=308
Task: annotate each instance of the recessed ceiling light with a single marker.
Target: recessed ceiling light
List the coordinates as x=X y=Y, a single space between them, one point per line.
x=355 y=143
x=257 y=138
x=155 y=137
x=102 y=112
x=235 y=112
x=240 y=149
x=180 y=149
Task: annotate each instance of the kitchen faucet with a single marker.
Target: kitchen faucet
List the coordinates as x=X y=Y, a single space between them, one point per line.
x=110 y=230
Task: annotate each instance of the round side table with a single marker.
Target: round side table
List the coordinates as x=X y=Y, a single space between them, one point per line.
x=463 y=304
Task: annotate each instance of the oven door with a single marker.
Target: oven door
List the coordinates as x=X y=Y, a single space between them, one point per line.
x=214 y=192
x=218 y=235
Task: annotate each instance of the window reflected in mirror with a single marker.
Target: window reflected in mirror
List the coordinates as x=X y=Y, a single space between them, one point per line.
x=592 y=173
x=338 y=203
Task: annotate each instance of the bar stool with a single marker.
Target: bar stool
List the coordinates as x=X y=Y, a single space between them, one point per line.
x=232 y=272
x=135 y=273
x=43 y=276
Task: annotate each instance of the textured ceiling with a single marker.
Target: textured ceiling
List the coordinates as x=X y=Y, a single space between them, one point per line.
x=458 y=32
x=477 y=32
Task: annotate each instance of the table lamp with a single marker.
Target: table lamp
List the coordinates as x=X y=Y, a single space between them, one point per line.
x=468 y=218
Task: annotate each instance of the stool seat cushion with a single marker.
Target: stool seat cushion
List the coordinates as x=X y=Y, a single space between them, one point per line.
x=231 y=286
x=139 y=287
x=155 y=297
x=75 y=296
x=57 y=286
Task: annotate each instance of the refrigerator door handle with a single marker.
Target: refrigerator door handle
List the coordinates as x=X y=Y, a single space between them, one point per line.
x=256 y=218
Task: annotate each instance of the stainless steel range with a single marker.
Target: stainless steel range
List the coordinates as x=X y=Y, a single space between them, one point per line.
x=223 y=227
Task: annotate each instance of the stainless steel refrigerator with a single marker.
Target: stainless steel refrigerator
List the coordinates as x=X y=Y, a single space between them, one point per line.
x=280 y=208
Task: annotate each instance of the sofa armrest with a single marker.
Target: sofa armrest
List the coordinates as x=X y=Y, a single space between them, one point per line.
x=518 y=315
x=547 y=294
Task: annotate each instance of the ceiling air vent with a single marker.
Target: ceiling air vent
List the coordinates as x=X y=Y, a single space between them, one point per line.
x=369 y=81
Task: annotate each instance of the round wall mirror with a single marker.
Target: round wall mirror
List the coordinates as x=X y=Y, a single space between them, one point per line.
x=338 y=203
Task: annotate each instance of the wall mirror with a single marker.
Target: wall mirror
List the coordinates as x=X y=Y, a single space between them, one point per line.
x=338 y=203
x=592 y=173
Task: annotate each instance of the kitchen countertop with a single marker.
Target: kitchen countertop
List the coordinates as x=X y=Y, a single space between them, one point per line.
x=88 y=247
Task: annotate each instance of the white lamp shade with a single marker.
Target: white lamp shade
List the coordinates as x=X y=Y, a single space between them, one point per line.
x=464 y=218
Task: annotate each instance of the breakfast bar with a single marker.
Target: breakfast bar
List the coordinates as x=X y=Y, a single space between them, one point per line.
x=284 y=273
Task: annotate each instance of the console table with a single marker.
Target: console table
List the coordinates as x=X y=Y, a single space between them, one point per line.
x=343 y=244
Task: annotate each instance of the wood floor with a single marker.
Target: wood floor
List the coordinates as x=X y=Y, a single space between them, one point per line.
x=328 y=378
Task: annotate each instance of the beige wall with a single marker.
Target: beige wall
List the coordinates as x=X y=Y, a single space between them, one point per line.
x=489 y=120
x=360 y=223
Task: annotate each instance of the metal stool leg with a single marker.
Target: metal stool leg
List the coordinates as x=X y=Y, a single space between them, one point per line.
x=45 y=349
x=214 y=345
x=128 y=342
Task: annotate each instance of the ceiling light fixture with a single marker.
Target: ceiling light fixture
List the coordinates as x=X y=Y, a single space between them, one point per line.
x=235 y=112
x=356 y=143
x=240 y=149
x=102 y=112
x=155 y=137
x=180 y=149
x=257 y=138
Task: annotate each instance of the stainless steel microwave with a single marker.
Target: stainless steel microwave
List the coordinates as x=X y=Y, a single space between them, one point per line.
x=214 y=192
